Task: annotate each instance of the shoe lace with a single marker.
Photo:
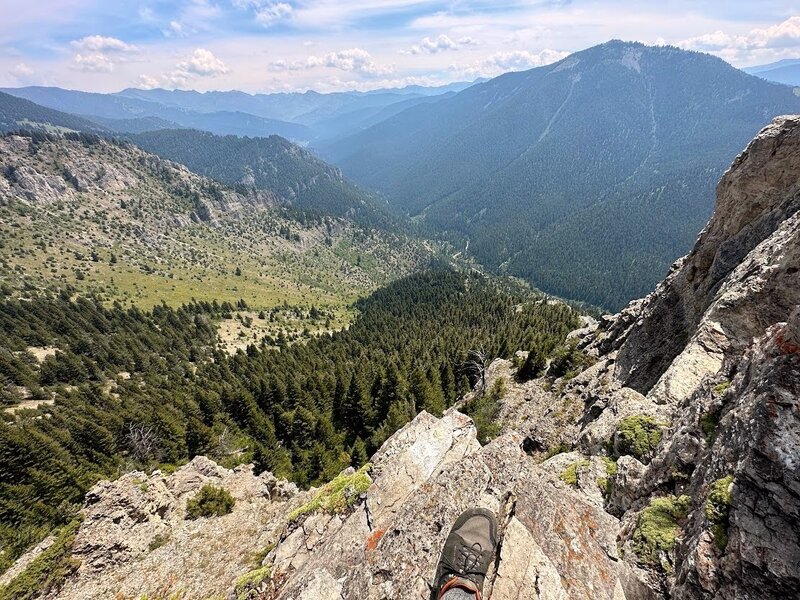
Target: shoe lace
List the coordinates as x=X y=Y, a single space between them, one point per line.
x=468 y=558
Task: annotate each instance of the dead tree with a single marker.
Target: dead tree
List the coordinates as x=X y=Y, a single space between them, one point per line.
x=142 y=441
x=476 y=366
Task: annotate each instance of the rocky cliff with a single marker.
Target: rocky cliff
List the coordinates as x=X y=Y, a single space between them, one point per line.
x=669 y=468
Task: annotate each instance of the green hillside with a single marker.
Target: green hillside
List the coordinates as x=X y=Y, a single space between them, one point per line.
x=101 y=375
x=109 y=219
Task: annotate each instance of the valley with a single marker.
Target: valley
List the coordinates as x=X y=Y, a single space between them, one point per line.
x=269 y=346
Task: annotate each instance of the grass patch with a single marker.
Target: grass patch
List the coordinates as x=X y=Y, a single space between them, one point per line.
x=158 y=541
x=721 y=387
x=708 y=423
x=258 y=557
x=718 y=505
x=606 y=484
x=570 y=474
x=338 y=495
x=247 y=584
x=639 y=436
x=47 y=571
x=567 y=361
x=210 y=501
x=556 y=449
x=658 y=526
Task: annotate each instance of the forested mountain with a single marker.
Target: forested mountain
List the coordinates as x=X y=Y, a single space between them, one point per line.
x=588 y=177
x=784 y=71
x=17 y=114
x=135 y=124
x=112 y=106
x=137 y=389
x=272 y=163
x=346 y=124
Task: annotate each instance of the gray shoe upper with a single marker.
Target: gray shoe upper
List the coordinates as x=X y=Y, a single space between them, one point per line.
x=469 y=548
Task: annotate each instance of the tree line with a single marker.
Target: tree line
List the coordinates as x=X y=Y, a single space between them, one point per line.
x=139 y=389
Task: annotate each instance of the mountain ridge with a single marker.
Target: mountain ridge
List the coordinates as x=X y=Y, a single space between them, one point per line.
x=273 y=163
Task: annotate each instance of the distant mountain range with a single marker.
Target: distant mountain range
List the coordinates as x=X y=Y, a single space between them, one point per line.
x=784 y=71
x=108 y=108
x=301 y=117
x=292 y=174
x=17 y=114
x=587 y=177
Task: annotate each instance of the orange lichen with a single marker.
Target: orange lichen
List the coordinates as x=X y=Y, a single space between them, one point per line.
x=374 y=538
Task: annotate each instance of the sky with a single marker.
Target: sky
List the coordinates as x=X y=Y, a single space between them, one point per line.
x=332 y=45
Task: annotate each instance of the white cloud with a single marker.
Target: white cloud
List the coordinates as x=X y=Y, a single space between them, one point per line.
x=107 y=45
x=273 y=13
x=355 y=60
x=146 y=14
x=194 y=16
x=352 y=60
x=513 y=60
x=782 y=35
x=202 y=62
x=94 y=63
x=266 y=12
x=23 y=74
x=769 y=42
x=146 y=82
x=99 y=54
x=439 y=44
x=21 y=70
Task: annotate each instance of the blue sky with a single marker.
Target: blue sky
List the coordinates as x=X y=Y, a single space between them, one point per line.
x=328 y=45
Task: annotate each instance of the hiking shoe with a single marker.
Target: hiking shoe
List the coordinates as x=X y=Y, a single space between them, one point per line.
x=468 y=552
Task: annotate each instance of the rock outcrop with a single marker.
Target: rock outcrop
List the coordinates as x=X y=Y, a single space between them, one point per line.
x=740 y=277
x=668 y=468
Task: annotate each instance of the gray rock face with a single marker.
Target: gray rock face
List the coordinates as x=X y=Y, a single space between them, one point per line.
x=733 y=282
x=136 y=542
x=556 y=543
x=757 y=442
x=714 y=351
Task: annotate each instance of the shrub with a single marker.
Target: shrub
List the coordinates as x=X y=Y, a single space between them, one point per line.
x=657 y=527
x=568 y=361
x=158 y=540
x=721 y=387
x=533 y=367
x=338 y=495
x=484 y=409
x=559 y=448
x=247 y=584
x=210 y=501
x=708 y=423
x=638 y=436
